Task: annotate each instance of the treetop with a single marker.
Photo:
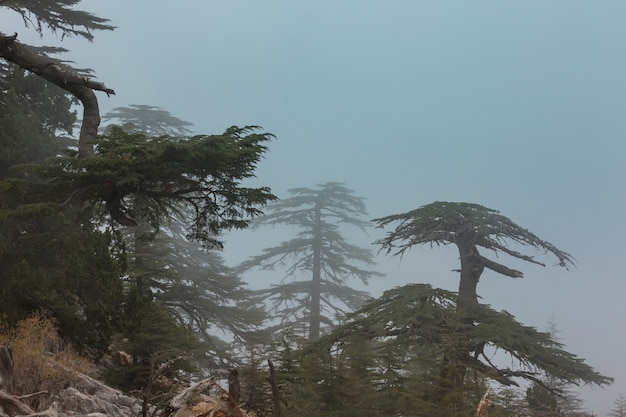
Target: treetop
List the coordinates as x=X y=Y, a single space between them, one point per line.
x=58 y=16
x=442 y=223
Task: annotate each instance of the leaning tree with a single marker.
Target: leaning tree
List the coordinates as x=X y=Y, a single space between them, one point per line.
x=318 y=259
x=468 y=227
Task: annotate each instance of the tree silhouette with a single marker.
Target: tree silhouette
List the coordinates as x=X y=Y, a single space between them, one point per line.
x=619 y=407
x=319 y=252
x=150 y=120
x=468 y=227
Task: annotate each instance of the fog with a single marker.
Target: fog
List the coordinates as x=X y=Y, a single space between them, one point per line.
x=518 y=106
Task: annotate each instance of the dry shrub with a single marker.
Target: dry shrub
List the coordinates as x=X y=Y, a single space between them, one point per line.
x=43 y=362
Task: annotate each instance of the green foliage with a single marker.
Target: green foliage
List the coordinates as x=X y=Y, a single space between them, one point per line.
x=202 y=174
x=542 y=402
x=57 y=266
x=32 y=112
x=57 y=16
x=442 y=223
x=399 y=346
x=196 y=288
x=470 y=227
x=319 y=253
x=161 y=350
x=54 y=258
x=150 y=120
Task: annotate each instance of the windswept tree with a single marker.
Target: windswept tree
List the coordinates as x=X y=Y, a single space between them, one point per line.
x=318 y=260
x=469 y=227
x=152 y=121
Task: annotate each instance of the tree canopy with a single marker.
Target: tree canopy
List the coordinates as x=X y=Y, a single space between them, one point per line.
x=403 y=338
x=152 y=121
x=203 y=173
x=58 y=16
x=319 y=253
x=468 y=226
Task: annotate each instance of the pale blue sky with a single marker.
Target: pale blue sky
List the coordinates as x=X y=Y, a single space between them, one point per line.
x=518 y=106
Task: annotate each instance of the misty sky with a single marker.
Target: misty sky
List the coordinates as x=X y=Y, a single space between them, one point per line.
x=518 y=106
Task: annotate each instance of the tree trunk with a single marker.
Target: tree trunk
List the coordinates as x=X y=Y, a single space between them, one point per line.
x=316 y=282
x=471 y=269
x=454 y=364
x=55 y=72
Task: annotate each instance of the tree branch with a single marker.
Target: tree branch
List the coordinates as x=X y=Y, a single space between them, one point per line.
x=55 y=72
x=499 y=268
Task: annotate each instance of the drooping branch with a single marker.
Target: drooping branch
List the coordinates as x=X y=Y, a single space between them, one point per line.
x=501 y=269
x=55 y=72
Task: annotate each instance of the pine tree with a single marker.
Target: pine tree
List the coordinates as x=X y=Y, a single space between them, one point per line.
x=321 y=259
x=619 y=407
x=551 y=396
x=149 y=120
x=53 y=257
x=405 y=338
x=58 y=16
x=468 y=227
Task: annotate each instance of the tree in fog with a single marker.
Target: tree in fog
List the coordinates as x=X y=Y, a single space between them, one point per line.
x=152 y=121
x=468 y=227
x=318 y=260
x=64 y=211
x=619 y=407
x=63 y=18
x=389 y=355
x=53 y=257
x=552 y=396
x=167 y=272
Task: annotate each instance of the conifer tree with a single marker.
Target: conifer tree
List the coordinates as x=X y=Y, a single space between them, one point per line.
x=318 y=259
x=53 y=257
x=404 y=339
x=152 y=121
x=62 y=17
x=468 y=227
x=619 y=407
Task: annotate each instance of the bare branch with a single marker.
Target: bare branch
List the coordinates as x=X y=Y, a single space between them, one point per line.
x=501 y=269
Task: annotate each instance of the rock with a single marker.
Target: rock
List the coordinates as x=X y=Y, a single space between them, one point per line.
x=87 y=396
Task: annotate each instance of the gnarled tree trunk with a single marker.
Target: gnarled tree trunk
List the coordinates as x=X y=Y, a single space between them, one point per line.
x=51 y=70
